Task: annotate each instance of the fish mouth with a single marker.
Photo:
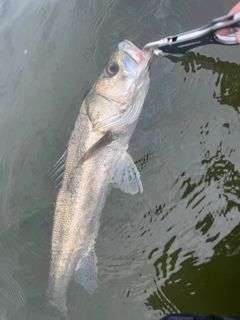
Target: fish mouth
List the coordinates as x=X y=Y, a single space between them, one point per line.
x=131 y=51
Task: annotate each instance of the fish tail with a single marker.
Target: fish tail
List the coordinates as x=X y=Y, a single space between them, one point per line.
x=52 y=303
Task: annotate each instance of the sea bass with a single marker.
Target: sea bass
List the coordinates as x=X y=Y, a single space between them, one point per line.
x=96 y=159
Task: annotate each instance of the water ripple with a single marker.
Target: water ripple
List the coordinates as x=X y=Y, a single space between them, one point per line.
x=11 y=292
x=153 y=248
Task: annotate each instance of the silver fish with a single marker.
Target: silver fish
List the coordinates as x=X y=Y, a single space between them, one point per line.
x=96 y=159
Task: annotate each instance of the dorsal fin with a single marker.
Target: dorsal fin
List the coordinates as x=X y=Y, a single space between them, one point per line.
x=58 y=170
x=47 y=225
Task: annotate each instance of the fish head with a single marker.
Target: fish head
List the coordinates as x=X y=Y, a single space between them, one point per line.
x=123 y=84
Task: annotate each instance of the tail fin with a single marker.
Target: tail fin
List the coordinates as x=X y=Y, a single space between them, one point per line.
x=54 y=308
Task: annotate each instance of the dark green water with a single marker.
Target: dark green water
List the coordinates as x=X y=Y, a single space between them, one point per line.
x=173 y=248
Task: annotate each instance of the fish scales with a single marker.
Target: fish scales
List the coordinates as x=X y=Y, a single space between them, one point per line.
x=96 y=160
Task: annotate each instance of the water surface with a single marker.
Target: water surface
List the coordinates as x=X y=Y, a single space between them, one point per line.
x=173 y=248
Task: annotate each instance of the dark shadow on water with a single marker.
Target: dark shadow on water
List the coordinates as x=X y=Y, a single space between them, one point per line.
x=198 y=296
x=208 y=287
x=228 y=75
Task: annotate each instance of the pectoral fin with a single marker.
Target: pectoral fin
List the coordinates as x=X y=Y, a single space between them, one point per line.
x=127 y=176
x=86 y=272
x=98 y=146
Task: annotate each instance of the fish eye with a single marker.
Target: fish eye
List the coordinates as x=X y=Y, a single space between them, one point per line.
x=112 y=69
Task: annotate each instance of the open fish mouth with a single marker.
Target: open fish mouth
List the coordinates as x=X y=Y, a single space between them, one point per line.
x=131 y=51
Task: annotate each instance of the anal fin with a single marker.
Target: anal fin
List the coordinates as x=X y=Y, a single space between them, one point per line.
x=86 y=272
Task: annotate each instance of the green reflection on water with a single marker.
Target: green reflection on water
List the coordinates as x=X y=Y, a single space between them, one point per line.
x=228 y=75
x=211 y=288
